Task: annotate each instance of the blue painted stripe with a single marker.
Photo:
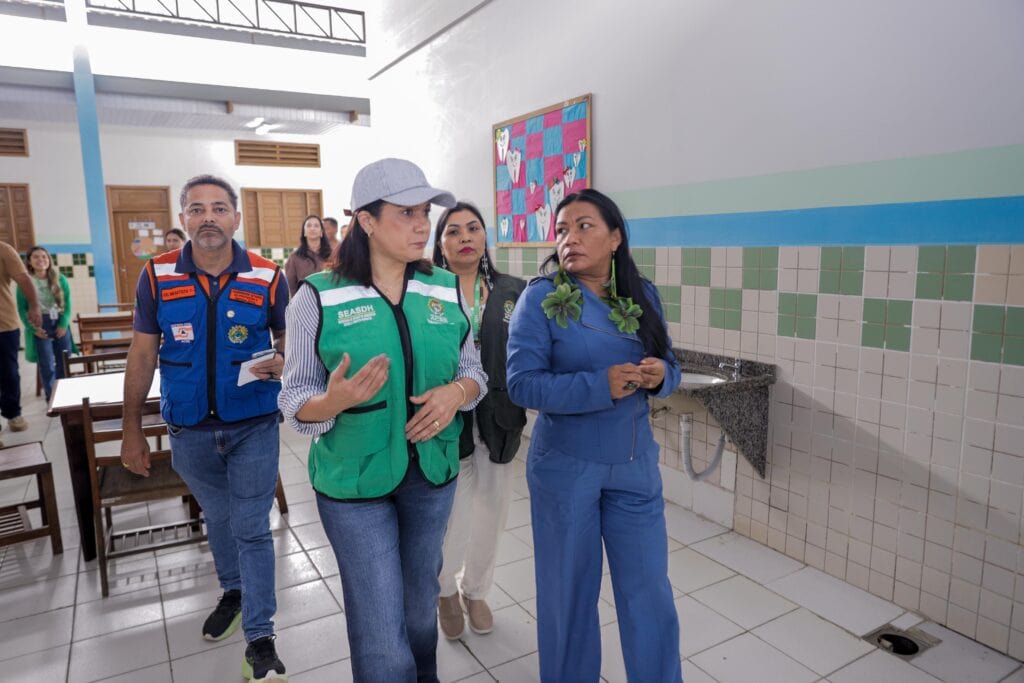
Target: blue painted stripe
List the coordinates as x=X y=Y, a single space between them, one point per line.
x=92 y=165
x=997 y=220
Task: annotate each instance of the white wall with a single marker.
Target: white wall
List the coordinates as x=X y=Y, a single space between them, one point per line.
x=707 y=89
x=141 y=156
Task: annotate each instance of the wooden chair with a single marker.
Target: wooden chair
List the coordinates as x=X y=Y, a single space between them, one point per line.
x=110 y=361
x=92 y=327
x=25 y=461
x=117 y=306
x=113 y=486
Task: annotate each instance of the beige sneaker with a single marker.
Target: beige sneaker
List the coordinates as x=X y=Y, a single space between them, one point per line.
x=17 y=424
x=449 y=614
x=480 y=618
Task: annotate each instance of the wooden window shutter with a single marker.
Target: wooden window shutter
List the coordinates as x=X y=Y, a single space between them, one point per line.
x=256 y=153
x=14 y=142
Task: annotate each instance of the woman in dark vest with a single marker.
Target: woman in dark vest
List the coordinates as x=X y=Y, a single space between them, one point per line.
x=490 y=435
x=379 y=361
x=313 y=252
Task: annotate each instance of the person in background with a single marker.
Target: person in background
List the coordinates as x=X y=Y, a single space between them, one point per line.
x=313 y=252
x=13 y=268
x=331 y=230
x=45 y=345
x=175 y=238
x=219 y=306
x=380 y=360
x=490 y=434
x=587 y=347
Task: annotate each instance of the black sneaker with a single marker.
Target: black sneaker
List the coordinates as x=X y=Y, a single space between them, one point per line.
x=224 y=620
x=261 y=662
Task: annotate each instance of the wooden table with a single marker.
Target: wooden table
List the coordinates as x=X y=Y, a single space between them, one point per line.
x=103 y=391
x=92 y=326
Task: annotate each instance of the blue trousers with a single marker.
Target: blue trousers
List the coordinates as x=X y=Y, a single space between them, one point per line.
x=233 y=474
x=389 y=556
x=575 y=504
x=49 y=354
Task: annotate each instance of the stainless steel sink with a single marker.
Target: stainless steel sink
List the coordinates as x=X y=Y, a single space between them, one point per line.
x=696 y=379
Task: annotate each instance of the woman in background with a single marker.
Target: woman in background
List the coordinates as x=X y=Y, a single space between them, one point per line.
x=490 y=434
x=587 y=346
x=313 y=252
x=175 y=238
x=45 y=345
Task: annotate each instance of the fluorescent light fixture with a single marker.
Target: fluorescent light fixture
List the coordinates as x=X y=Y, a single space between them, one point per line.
x=266 y=128
x=255 y=123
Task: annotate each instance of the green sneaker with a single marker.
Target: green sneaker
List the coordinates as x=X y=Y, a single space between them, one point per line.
x=225 y=618
x=261 y=662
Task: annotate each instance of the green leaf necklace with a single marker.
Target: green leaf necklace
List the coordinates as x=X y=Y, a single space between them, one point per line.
x=567 y=302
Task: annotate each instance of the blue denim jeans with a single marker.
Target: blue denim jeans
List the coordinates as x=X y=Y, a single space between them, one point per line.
x=49 y=351
x=389 y=556
x=233 y=474
x=10 y=378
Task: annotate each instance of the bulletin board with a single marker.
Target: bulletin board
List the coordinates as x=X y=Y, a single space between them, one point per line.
x=539 y=158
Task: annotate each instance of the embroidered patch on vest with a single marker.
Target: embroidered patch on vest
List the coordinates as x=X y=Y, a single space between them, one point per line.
x=246 y=297
x=238 y=334
x=508 y=306
x=182 y=332
x=437 y=316
x=183 y=292
x=356 y=314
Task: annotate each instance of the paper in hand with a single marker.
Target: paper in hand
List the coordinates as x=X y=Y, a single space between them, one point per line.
x=245 y=369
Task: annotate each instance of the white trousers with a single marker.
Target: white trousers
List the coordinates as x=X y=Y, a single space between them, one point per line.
x=482 y=496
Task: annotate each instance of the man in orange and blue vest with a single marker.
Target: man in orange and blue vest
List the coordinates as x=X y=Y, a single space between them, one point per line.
x=203 y=311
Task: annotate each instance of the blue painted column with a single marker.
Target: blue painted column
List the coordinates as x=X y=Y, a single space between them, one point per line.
x=92 y=162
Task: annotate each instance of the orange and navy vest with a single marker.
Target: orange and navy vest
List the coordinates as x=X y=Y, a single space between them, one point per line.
x=206 y=339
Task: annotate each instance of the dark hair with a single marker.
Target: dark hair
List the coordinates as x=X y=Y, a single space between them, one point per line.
x=328 y=219
x=52 y=274
x=323 y=251
x=629 y=282
x=353 y=262
x=179 y=232
x=486 y=266
x=207 y=179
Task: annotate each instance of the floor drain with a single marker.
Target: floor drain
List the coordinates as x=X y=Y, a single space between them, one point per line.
x=906 y=644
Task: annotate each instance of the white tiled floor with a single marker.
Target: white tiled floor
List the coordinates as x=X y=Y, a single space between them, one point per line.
x=747 y=613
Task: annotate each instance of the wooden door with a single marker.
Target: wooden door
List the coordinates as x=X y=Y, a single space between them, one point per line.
x=273 y=218
x=139 y=217
x=16 y=217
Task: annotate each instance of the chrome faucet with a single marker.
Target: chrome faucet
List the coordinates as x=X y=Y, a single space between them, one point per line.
x=735 y=367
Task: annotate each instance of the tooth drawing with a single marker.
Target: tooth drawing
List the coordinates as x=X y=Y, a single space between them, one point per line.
x=582 y=144
x=576 y=156
x=570 y=177
x=543 y=215
x=501 y=142
x=520 y=232
x=556 y=193
x=533 y=186
x=504 y=225
x=513 y=159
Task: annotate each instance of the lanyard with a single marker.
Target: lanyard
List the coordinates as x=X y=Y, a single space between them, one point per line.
x=476 y=310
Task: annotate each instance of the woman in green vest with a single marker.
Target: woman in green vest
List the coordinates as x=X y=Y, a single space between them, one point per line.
x=490 y=435
x=380 y=359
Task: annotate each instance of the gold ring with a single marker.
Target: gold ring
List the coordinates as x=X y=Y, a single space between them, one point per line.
x=437 y=425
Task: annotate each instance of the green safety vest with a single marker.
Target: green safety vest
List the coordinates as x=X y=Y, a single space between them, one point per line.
x=365 y=454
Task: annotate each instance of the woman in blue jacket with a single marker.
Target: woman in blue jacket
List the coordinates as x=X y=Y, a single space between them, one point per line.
x=587 y=346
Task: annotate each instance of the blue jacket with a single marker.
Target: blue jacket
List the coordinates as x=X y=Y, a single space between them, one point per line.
x=563 y=373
